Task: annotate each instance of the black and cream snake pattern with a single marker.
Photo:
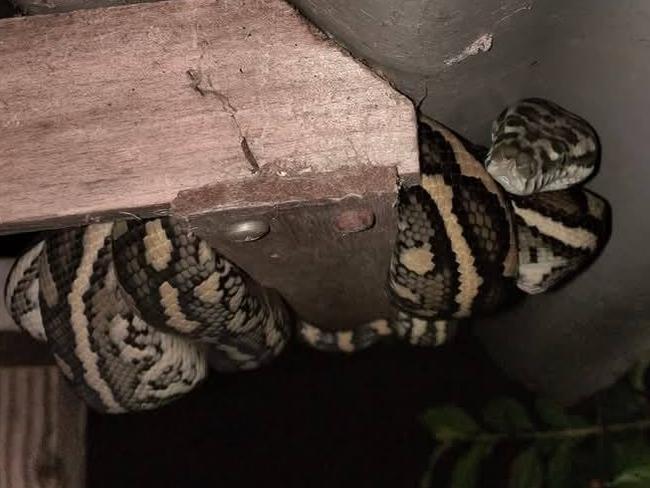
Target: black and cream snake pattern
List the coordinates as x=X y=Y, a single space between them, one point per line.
x=136 y=312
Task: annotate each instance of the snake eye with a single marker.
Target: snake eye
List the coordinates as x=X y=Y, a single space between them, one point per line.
x=526 y=165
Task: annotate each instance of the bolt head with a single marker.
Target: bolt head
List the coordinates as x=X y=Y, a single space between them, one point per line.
x=247 y=230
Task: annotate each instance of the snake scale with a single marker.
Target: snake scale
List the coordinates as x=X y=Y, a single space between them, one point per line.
x=136 y=312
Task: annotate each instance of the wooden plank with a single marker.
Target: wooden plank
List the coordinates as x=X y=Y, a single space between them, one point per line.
x=114 y=111
x=40 y=7
x=42 y=430
x=42 y=423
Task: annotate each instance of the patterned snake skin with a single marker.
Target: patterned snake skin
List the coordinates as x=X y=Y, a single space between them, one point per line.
x=559 y=233
x=463 y=240
x=176 y=281
x=134 y=312
x=540 y=153
x=455 y=255
x=67 y=290
x=115 y=361
x=539 y=146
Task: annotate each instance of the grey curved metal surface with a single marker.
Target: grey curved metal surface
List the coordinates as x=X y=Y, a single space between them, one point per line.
x=590 y=57
x=433 y=46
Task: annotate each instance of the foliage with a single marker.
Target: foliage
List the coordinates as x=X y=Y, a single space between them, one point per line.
x=544 y=445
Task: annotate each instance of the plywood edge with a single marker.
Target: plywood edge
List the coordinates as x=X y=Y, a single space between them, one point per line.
x=280 y=190
x=42 y=429
x=50 y=222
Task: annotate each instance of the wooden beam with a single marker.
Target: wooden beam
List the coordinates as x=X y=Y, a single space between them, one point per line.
x=113 y=112
x=42 y=423
x=40 y=7
x=219 y=112
x=42 y=430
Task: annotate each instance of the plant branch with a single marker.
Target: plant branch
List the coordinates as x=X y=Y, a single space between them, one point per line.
x=437 y=453
x=571 y=433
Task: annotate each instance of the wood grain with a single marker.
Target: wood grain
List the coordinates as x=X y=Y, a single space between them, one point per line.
x=114 y=111
x=42 y=430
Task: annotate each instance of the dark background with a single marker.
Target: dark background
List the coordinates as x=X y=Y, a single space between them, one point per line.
x=309 y=420
x=6 y=9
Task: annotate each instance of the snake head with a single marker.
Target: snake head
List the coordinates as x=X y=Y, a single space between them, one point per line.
x=516 y=171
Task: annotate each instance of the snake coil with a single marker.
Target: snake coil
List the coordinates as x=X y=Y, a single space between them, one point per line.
x=135 y=312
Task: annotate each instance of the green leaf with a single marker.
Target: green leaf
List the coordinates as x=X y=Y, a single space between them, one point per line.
x=467 y=470
x=622 y=403
x=552 y=414
x=559 y=466
x=526 y=470
x=556 y=417
x=634 y=476
x=449 y=423
x=578 y=422
x=636 y=373
x=631 y=452
x=507 y=415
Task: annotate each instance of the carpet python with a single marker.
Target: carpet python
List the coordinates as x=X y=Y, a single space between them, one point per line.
x=136 y=312
x=68 y=291
x=455 y=253
x=539 y=146
x=464 y=241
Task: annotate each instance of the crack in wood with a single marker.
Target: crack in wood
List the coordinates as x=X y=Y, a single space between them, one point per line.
x=250 y=157
x=203 y=85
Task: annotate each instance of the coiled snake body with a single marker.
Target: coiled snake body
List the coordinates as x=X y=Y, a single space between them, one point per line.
x=135 y=312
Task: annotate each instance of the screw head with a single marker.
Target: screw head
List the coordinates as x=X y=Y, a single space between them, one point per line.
x=247 y=230
x=351 y=221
